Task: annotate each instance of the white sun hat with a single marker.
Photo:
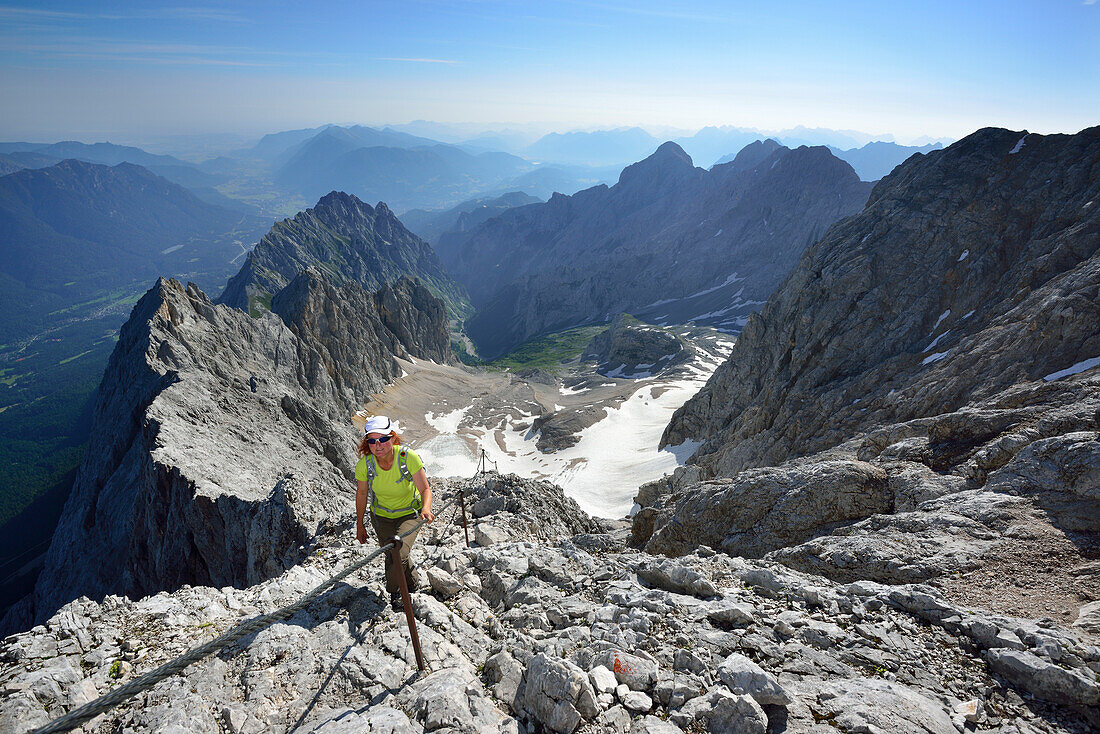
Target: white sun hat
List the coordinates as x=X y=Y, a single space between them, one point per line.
x=379 y=424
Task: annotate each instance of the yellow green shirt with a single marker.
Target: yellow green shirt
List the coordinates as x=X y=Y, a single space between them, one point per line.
x=390 y=490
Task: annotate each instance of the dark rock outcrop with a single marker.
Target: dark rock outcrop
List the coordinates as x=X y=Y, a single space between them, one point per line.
x=669 y=243
x=221 y=444
x=629 y=348
x=946 y=339
x=349 y=241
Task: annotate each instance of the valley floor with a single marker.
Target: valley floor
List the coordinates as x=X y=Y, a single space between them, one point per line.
x=606 y=429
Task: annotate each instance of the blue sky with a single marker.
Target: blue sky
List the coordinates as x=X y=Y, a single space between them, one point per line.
x=123 y=70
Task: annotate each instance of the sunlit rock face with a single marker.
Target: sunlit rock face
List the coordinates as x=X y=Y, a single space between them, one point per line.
x=220 y=442
x=551 y=623
x=347 y=239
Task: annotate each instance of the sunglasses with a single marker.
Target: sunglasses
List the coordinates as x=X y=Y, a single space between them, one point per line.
x=373 y=441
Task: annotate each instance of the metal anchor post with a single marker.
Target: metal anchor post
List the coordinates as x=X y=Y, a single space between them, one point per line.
x=406 y=599
x=462 y=504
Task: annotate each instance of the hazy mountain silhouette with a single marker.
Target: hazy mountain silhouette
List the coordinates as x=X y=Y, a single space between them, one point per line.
x=427 y=176
x=598 y=148
x=429 y=225
x=76 y=229
x=669 y=242
x=876 y=159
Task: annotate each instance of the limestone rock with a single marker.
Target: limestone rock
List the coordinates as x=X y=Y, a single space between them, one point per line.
x=1044 y=679
x=883 y=319
x=350 y=241
x=1088 y=619
x=765 y=509
x=174 y=490
x=872 y=705
x=738 y=672
x=550 y=692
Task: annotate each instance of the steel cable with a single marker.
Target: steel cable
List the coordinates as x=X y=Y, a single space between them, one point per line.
x=143 y=683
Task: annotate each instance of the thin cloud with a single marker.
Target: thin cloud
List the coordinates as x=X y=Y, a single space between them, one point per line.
x=418 y=61
x=7 y=11
x=215 y=14
x=654 y=13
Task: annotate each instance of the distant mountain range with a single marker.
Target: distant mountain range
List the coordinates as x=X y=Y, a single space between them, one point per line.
x=201 y=182
x=349 y=241
x=714 y=145
x=406 y=177
x=876 y=159
x=430 y=225
x=669 y=242
x=281 y=147
x=599 y=148
x=76 y=231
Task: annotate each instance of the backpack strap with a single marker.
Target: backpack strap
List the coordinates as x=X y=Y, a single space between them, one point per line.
x=403 y=463
x=406 y=476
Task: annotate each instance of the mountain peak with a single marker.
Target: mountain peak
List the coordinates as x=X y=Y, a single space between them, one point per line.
x=346 y=238
x=669 y=160
x=671 y=150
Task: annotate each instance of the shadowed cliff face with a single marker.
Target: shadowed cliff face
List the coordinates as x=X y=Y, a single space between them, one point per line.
x=669 y=243
x=221 y=443
x=920 y=400
x=347 y=239
x=970 y=270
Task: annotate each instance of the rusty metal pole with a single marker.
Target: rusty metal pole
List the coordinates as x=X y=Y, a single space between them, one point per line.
x=462 y=504
x=407 y=600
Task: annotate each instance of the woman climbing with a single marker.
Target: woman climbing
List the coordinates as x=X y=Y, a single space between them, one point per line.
x=391 y=478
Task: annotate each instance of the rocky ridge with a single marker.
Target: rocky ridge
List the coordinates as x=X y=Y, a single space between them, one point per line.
x=220 y=443
x=669 y=243
x=549 y=623
x=984 y=253
x=348 y=240
x=919 y=401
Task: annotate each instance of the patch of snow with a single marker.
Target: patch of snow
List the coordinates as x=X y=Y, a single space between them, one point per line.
x=968 y=315
x=865 y=238
x=403 y=374
x=1086 y=364
x=728 y=281
x=934 y=357
x=447 y=423
x=936 y=341
x=447 y=456
x=171 y=249
x=856 y=401
x=657 y=303
x=939 y=321
x=617 y=372
x=966 y=254
x=619 y=453
x=570 y=391
x=718 y=233
x=1018 y=147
